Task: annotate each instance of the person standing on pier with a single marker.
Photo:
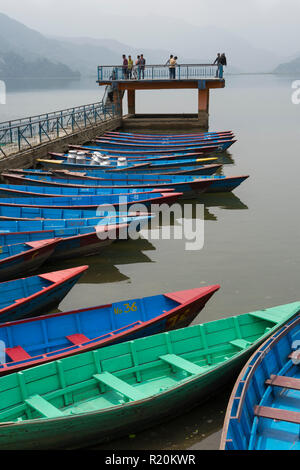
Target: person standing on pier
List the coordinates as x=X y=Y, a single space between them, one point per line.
x=142 y=66
x=223 y=63
x=168 y=63
x=217 y=62
x=124 y=67
x=172 y=67
x=130 y=66
x=136 y=67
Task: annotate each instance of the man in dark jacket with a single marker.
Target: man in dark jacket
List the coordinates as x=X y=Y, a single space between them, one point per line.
x=217 y=61
x=124 y=67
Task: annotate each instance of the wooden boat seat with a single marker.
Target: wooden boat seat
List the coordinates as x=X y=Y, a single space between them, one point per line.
x=45 y=408
x=284 y=382
x=77 y=338
x=183 y=364
x=119 y=385
x=263 y=316
x=17 y=354
x=241 y=343
x=277 y=414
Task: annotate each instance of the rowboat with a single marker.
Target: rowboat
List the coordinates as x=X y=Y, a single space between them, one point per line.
x=174 y=167
x=30 y=295
x=121 y=389
x=182 y=170
x=58 y=167
x=138 y=163
x=48 y=191
x=167 y=136
x=71 y=241
x=183 y=184
x=102 y=216
x=146 y=156
x=162 y=142
x=161 y=153
x=92 y=202
x=188 y=185
x=219 y=183
x=18 y=260
x=95 y=327
x=263 y=410
x=48 y=224
x=220 y=146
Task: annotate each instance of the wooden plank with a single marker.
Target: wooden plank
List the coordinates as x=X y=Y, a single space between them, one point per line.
x=277 y=414
x=284 y=382
x=45 y=408
x=183 y=364
x=240 y=343
x=77 y=338
x=119 y=385
x=17 y=354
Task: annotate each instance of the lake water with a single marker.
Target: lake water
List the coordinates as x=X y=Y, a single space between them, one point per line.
x=251 y=236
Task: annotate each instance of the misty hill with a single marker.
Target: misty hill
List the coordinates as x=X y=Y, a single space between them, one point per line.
x=292 y=67
x=26 y=52
x=20 y=53
x=189 y=42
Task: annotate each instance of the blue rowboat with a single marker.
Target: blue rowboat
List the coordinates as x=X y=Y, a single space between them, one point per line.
x=18 y=260
x=60 y=168
x=187 y=185
x=63 y=162
x=263 y=410
x=161 y=153
x=102 y=216
x=36 y=294
x=48 y=224
x=221 y=146
x=71 y=241
x=167 y=136
x=93 y=202
x=95 y=327
x=161 y=142
x=115 y=142
x=178 y=170
x=48 y=191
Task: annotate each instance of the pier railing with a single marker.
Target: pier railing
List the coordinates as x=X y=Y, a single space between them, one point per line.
x=20 y=134
x=157 y=72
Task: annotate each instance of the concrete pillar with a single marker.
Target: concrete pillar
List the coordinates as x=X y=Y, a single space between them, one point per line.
x=131 y=101
x=118 y=100
x=203 y=106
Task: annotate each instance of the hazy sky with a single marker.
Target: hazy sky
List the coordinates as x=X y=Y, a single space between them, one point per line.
x=271 y=24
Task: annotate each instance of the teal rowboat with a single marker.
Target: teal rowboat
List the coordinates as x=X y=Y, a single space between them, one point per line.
x=95 y=396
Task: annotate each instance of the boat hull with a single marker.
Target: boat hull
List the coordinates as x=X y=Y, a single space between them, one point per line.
x=26 y=262
x=44 y=300
x=79 y=431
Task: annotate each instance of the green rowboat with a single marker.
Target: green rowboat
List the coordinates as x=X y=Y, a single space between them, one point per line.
x=95 y=396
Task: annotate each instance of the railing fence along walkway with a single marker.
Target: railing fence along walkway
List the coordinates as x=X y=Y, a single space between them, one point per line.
x=158 y=72
x=25 y=133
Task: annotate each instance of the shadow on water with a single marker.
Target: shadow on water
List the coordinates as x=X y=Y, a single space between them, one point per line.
x=103 y=267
